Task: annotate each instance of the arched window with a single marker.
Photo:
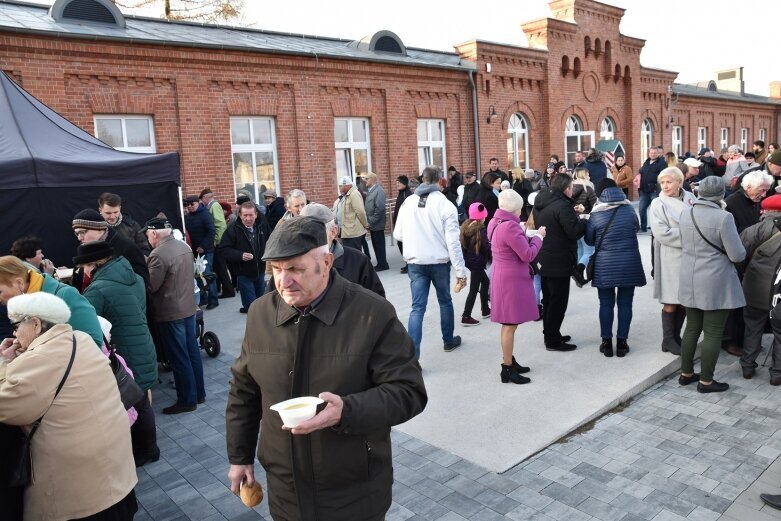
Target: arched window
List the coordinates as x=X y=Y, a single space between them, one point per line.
x=575 y=138
x=646 y=138
x=518 y=141
x=587 y=44
x=597 y=47
x=576 y=67
x=607 y=129
x=564 y=65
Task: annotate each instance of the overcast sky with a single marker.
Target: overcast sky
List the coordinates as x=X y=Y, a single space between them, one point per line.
x=692 y=37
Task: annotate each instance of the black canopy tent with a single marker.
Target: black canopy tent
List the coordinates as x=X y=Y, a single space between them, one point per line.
x=50 y=169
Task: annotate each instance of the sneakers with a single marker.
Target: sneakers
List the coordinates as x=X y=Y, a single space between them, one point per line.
x=468 y=321
x=449 y=346
x=486 y=313
x=686 y=380
x=714 y=387
x=403 y=270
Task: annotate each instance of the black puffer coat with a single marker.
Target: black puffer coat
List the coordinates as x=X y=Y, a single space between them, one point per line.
x=559 y=252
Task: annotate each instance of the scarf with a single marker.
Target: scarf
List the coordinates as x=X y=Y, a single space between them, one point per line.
x=425 y=188
x=36 y=282
x=119 y=221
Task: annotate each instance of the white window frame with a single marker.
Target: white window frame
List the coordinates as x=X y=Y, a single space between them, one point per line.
x=744 y=140
x=607 y=128
x=256 y=148
x=574 y=128
x=646 y=138
x=702 y=138
x=429 y=144
x=517 y=128
x=724 y=138
x=762 y=135
x=353 y=145
x=123 y=118
x=677 y=140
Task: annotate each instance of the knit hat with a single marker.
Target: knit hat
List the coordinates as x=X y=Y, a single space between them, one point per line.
x=40 y=304
x=704 y=150
x=477 y=211
x=604 y=183
x=711 y=189
x=92 y=251
x=775 y=158
x=205 y=191
x=772 y=203
x=558 y=165
x=241 y=199
x=295 y=237
x=403 y=180
x=319 y=211
x=552 y=166
x=89 y=220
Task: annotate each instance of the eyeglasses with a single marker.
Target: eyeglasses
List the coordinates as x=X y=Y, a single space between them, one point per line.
x=15 y=325
x=80 y=233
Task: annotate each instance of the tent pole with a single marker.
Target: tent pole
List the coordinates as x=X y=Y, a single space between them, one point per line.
x=181 y=212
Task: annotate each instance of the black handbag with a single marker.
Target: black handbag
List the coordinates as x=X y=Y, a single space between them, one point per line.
x=593 y=259
x=129 y=391
x=19 y=464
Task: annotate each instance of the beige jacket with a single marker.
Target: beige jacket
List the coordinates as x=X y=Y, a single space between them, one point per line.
x=82 y=455
x=353 y=214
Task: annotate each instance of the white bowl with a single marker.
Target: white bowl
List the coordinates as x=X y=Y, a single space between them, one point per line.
x=297 y=410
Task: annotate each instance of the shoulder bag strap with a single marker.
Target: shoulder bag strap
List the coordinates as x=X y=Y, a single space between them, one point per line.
x=604 y=232
x=59 y=387
x=498 y=222
x=694 y=221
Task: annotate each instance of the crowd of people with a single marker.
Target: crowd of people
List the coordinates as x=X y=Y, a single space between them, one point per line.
x=518 y=240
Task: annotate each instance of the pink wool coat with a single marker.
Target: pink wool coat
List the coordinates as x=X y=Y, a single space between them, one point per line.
x=512 y=289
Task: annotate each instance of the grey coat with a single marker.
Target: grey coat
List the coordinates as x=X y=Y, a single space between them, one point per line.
x=763 y=246
x=375 y=208
x=664 y=216
x=709 y=279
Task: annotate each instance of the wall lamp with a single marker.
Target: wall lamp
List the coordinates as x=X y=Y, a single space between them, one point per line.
x=491 y=114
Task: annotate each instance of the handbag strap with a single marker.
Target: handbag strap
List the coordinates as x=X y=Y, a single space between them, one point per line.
x=696 y=227
x=604 y=232
x=59 y=387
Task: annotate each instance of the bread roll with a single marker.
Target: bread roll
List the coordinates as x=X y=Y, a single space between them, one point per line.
x=251 y=495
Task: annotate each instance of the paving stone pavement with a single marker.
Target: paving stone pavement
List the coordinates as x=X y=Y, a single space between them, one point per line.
x=670 y=454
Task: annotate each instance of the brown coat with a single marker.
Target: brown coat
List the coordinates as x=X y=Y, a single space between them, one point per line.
x=171 y=280
x=82 y=455
x=351 y=344
x=623 y=176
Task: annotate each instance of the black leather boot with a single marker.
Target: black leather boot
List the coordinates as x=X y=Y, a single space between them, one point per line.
x=621 y=347
x=668 y=333
x=680 y=316
x=510 y=374
x=606 y=347
x=520 y=368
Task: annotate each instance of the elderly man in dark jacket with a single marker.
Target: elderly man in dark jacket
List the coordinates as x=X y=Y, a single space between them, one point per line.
x=763 y=247
x=558 y=257
x=375 y=215
x=302 y=340
x=200 y=227
x=243 y=244
x=649 y=190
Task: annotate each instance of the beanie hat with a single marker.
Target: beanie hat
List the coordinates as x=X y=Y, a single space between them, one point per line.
x=772 y=203
x=477 y=211
x=711 y=189
x=89 y=220
x=47 y=307
x=604 y=183
x=775 y=158
x=92 y=251
x=704 y=150
x=403 y=180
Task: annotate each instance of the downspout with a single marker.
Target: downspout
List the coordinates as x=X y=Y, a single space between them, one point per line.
x=474 y=121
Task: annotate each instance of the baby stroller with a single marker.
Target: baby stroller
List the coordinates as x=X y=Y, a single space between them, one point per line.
x=207 y=340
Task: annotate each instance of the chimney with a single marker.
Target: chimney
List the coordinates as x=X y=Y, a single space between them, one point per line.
x=775 y=90
x=730 y=80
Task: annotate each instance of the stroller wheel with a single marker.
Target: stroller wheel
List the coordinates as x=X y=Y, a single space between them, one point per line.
x=211 y=344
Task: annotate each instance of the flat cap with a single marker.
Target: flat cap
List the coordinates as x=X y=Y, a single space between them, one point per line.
x=319 y=211
x=157 y=223
x=295 y=237
x=191 y=199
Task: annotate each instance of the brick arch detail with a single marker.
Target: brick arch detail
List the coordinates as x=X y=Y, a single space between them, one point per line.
x=524 y=109
x=252 y=106
x=431 y=110
x=121 y=103
x=579 y=112
x=613 y=115
x=648 y=114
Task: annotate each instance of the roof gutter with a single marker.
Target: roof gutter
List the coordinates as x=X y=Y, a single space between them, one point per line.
x=474 y=119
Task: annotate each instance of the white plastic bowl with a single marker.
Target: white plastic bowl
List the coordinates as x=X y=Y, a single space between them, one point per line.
x=297 y=410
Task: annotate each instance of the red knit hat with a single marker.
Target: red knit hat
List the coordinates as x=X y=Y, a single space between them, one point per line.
x=772 y=203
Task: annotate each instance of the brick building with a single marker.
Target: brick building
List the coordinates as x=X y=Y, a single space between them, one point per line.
x=248 y=108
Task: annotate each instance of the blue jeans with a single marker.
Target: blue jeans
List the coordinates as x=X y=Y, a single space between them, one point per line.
x=584 y=252
x=607 y=301
x=421 y=276
x=645 y=202
x=537 y=288
x=212 y=287
x=250 y=289
x=178 y=337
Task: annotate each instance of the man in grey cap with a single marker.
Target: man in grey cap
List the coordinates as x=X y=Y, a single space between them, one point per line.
x=348 y=262
x=302 y=340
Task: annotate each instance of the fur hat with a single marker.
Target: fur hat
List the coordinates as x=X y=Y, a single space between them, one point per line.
x=711 y=189
x=92 y=251
x=45 y=306
x=89 y=220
